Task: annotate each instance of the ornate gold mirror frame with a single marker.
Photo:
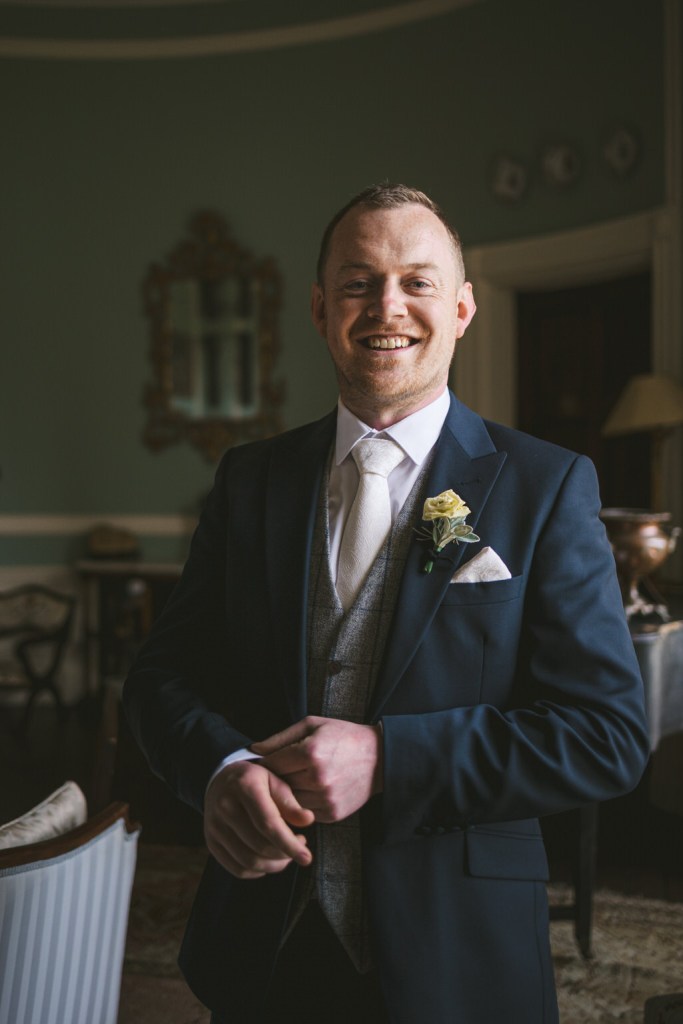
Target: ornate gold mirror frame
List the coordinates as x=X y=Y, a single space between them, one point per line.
x=213 y=312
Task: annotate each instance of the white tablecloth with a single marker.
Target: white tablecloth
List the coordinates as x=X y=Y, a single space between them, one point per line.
x=660 y=655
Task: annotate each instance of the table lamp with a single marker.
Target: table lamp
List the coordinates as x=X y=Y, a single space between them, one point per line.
x=642 y=540
x=651 y=404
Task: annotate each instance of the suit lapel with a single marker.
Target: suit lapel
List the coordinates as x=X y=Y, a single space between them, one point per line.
x=467 y=462
x=294 y=479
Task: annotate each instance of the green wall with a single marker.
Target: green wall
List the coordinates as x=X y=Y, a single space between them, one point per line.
x=104 y=162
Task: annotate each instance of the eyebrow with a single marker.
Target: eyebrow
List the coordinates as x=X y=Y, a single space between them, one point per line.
x=360 y=265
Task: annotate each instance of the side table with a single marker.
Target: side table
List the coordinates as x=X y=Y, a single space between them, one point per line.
x=660 y=655
x=659 y=649
x=122 y=599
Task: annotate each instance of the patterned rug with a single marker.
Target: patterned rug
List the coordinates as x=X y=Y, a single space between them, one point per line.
x=637 y=950
x=637 y=955
x=152 y=989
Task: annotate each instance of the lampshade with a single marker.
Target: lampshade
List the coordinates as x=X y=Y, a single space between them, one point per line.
x=648 y=402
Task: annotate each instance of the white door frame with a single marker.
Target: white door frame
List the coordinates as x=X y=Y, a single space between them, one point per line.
x=485 y=369
x=486 y=363
x=486 y=366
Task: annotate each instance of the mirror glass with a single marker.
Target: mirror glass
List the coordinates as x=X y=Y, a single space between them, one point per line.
x=213 y=316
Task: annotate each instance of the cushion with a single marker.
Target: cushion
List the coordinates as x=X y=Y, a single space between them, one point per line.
x=63 y=810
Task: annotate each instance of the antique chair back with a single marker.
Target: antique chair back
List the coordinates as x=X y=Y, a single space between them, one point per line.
x=63 y=917
x=35 y=621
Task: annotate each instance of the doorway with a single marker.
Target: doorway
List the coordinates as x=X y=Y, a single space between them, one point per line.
x=577 y=348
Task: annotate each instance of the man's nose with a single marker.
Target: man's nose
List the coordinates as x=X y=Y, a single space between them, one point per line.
x=388 y=302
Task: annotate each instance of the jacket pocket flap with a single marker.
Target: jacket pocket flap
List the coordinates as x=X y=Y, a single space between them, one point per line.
x=504 y=855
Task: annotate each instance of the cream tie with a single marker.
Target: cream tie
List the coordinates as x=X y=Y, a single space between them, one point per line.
x=369 y=520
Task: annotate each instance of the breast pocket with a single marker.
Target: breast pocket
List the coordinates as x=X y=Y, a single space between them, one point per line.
x=493 y=592
x=473 y=640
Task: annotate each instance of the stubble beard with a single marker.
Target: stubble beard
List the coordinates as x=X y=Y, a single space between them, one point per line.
x=372 y=389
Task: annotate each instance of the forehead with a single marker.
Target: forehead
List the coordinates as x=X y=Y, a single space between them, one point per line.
x=402 y=236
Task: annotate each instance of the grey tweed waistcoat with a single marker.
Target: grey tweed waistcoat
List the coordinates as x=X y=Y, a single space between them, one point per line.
x=344 y=654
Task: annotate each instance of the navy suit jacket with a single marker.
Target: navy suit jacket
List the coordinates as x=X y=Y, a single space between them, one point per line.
x=500 y=702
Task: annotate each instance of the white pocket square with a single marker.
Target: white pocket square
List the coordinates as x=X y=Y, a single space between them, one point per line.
x=485 y=567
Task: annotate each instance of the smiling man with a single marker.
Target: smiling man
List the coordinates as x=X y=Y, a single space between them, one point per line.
x=391 y=301
x=372 y=743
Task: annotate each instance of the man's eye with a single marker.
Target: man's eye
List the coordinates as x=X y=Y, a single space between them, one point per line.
x=357 y=286
x=419 y=283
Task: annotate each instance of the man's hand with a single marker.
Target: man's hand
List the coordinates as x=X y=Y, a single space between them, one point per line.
x=333 y=767
x=248 y=812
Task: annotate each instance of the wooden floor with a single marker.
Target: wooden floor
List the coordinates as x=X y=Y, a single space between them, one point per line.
x=639 y=852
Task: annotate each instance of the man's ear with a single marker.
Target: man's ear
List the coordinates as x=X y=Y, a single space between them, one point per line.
x=467 y=307
x=318 y=312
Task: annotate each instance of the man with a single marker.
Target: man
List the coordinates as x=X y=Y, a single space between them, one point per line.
x=380 y=858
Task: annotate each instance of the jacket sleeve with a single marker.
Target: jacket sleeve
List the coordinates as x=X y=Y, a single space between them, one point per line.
x=574 y=729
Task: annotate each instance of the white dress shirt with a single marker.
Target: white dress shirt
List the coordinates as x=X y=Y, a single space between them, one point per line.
x=416 y=435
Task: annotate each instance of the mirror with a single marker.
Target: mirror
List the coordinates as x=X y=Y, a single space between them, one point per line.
x=213 y=317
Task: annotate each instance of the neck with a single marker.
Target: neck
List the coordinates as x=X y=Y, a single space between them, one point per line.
x=386 y=416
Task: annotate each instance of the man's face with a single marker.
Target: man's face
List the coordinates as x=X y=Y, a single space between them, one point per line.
x=391 y=308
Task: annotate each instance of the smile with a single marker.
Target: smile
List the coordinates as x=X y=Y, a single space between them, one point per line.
x=393 y=341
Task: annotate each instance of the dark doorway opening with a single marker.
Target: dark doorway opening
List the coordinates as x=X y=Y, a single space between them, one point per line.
x=577 y=348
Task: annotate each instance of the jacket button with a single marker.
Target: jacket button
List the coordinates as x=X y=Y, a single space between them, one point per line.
x=334 y=668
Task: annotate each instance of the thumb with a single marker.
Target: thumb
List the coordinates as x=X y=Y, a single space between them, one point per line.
x=288 y=805
x=278 y=740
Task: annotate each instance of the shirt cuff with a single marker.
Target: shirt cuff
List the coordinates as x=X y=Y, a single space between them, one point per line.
x=243 y=754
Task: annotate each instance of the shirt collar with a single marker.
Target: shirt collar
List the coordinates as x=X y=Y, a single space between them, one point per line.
x=416 y=434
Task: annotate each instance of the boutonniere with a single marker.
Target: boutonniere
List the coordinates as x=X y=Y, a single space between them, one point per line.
x=447 y=513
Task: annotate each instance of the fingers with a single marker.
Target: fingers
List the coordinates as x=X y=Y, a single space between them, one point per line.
x=296 y=749
x=245 y=836
x=289 y=761
x=293 y=734
x=240 y=860
x=265 y=797
x=332 y=769
x=244 y=861
x=246 y=815
x=286 y=800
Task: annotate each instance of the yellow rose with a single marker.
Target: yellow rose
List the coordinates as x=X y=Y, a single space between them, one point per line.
x=447 y=505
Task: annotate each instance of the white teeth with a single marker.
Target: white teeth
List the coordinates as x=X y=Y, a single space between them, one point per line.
x=394 y=342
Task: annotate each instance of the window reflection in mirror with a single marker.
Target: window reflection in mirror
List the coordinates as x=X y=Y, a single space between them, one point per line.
x=214 y=343
x=213 y=311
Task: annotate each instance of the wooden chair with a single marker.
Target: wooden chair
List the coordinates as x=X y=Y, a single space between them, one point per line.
x=63 y=916
x=35 y=622
x=580 y=911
